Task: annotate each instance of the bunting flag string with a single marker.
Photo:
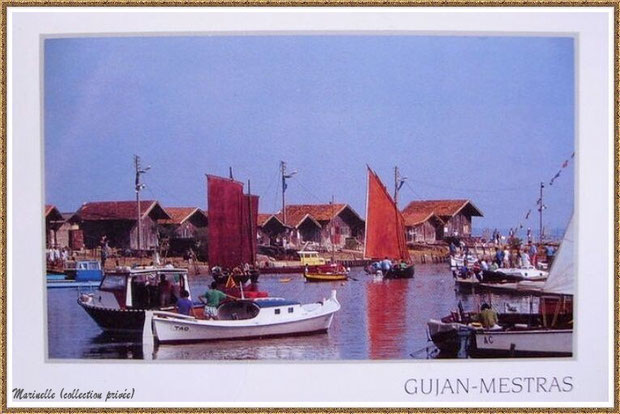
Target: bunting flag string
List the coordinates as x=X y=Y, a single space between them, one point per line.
x=539 y=202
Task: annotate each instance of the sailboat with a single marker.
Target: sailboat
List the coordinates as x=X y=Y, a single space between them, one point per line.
x=385 y=230
x=232 y=230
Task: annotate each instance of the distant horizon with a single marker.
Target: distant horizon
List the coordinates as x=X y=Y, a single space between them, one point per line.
x=481 y=118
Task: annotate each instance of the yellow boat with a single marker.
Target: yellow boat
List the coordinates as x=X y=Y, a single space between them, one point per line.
x=320 y=276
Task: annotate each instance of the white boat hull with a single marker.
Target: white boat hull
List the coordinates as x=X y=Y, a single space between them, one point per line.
x=307 y=319
x=552 y=342
x=174 y=330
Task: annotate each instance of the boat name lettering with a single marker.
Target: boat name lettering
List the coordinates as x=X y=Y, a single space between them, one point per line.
x=181 y=328
x=488 y=339
x=492 y=385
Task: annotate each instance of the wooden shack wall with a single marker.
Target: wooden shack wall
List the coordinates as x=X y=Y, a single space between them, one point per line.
x=342 y=231
x=422 y=233
x=271 y=232
x=459 y=224
x=116 y=231
x=150 y=236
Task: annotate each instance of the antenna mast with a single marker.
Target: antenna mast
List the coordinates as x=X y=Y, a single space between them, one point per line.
x=139 y=187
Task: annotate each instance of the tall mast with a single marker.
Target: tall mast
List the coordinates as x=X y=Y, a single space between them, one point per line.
x=283 y=173
x=331 y=232
x=541 y=207
x=252 y=229
x=139 y=187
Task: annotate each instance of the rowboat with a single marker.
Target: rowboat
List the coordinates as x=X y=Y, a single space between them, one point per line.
x=258 y=318
x=329 y=274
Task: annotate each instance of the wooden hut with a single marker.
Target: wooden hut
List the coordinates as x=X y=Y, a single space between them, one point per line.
x=186 y=229
x=325 y=224
x=455 y=214
x=422 y=227
x=53 y=222
x=118 y=221
x=271 y=230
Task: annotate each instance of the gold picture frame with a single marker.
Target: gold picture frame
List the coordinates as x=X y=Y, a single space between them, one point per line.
x=295 y=5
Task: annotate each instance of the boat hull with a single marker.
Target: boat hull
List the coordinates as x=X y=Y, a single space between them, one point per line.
x=110 y=319
x=323 y=277
x=173 y=330
x=449 y=338
x=522 y=343
x=400 y=273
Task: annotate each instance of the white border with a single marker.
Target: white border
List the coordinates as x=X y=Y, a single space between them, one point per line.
x=353 y=384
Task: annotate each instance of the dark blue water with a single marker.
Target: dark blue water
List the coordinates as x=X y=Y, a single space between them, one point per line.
x=378 y=320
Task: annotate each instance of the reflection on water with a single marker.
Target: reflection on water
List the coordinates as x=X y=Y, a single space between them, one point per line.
x=378 y=320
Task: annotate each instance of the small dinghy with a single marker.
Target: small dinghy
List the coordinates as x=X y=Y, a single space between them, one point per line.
x=258 y=318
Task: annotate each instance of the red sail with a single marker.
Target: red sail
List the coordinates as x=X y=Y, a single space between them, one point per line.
x=225 y=198
x=250 y=226
x=385 y=226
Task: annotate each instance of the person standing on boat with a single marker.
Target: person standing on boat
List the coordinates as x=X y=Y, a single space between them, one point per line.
x=506 y=257
x=212 y=299
x=165 y=289
x=184 y=305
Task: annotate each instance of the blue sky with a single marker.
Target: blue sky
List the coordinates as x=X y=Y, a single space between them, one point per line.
x=483 y=118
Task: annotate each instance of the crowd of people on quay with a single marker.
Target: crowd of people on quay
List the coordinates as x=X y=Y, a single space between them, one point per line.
x=504 y=253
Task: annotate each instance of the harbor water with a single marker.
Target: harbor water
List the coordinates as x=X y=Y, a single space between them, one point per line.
x=379 y=320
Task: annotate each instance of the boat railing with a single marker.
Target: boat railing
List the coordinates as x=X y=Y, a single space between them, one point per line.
x=166 y=314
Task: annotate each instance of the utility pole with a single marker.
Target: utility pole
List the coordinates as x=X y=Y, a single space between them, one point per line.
x=139 y=187
x=285 y=175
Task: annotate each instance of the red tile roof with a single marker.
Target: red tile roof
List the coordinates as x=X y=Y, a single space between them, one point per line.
x=297 y=213
x=181 y=214
x=120 y=210
x=442 y=208
x=419 y=217
x=52 y=213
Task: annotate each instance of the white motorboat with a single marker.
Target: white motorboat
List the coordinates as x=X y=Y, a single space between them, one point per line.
x=458 y=261
x=126 y=293
x=514 y=274
x=257 y=318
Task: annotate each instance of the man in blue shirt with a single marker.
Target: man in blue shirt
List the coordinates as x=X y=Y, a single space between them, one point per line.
x=184 y=305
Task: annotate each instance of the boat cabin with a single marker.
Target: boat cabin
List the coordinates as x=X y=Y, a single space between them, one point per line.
x=272 y=308
x=140 y=288
x=310 y=258
x=84 y=270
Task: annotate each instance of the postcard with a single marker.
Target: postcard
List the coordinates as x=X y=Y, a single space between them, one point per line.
x=335 y=207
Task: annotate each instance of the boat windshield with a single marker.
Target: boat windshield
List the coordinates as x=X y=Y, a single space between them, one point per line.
x=114 y=283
